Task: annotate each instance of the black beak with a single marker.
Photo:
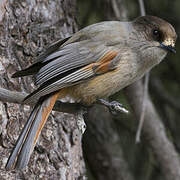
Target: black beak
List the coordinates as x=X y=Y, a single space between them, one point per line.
x=168 y=48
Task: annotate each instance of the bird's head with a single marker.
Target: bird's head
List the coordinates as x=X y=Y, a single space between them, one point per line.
x=159 y=36
x=157 y=30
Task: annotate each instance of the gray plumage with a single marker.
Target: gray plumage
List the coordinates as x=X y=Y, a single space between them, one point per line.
x=95 y=62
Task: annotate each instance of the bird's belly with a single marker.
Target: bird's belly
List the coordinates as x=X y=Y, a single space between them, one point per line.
x=104 y=85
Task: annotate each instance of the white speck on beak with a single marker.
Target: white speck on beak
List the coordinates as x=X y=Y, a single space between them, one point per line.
x=169 y=42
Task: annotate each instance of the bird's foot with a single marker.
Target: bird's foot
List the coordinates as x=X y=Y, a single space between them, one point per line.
x=114 y=106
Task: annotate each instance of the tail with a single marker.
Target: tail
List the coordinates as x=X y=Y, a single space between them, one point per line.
x=27 y=140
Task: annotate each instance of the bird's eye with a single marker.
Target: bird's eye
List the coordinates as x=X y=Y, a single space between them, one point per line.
x=157 y=34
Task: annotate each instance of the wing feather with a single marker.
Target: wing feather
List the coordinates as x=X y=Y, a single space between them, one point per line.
x=34 y=68
x=56 y=82
x=69 y=80
x=77 y=56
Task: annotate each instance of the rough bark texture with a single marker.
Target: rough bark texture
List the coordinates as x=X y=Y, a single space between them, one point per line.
x=25 y=28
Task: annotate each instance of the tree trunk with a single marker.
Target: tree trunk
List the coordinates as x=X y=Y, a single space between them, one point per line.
x=26 y=27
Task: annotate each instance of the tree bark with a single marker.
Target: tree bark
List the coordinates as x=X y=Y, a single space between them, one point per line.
x=26 y=27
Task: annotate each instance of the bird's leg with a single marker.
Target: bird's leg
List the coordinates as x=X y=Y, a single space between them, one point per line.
x=114 y=106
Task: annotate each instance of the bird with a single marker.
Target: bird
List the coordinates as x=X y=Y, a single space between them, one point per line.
x=95 y=62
